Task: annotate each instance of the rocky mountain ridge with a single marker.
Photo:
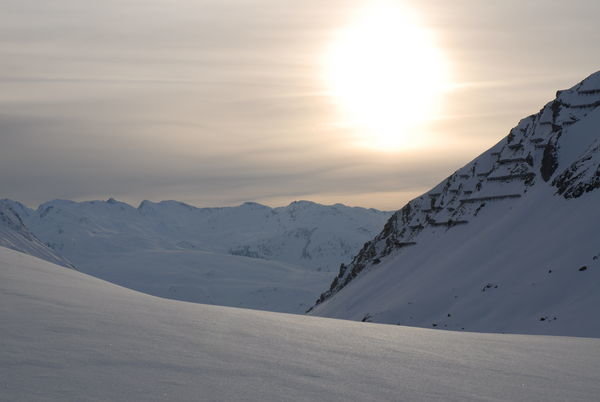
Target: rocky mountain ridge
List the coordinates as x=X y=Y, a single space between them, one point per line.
x=551 y=155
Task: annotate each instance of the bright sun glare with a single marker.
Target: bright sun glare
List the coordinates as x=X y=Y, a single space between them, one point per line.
x=387 y=76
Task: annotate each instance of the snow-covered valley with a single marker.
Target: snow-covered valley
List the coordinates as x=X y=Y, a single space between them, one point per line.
x=68 y=336
x=252 y=256
x=310 y=201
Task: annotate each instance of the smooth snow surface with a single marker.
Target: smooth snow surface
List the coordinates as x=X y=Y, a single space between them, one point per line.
x=212 y=278
x=68 y=336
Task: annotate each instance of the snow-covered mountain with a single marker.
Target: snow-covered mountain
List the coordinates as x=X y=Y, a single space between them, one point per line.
x=252 y=255
x=510 y=242
x=15 y=235
x=68 y=336
x=304 y=233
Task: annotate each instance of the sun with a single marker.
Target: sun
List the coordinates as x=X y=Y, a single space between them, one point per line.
x=386 y=75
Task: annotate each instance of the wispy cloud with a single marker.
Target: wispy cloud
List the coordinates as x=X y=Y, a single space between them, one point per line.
x=218 y=101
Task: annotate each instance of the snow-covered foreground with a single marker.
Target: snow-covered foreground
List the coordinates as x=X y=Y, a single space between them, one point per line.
x=68 y=336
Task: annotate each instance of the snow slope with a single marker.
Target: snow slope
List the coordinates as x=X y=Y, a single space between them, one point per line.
x=252 y=256
x=15 y=235
x=69 y=336
x=508 y=243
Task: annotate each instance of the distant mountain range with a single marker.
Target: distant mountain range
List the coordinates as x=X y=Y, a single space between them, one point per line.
x=508 y=243
x=250 y=256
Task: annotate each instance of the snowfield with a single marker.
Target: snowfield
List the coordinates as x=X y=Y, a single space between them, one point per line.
x=68 y=336
x=212 y=278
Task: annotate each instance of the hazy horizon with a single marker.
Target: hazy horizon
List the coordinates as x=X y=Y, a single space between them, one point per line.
x=138 y=204
x=215 y=103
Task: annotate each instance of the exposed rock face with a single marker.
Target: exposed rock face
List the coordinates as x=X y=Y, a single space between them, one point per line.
x=556 y=151
x=582 y=176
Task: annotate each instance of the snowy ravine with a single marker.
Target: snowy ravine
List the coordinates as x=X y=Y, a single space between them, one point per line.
x=248 y=256
x=508 y=243
x=68 y=336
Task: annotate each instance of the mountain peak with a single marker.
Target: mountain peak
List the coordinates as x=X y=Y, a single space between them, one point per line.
x=484 y=224
x=590 y=84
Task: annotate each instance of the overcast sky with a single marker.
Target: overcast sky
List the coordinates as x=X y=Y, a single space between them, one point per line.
x=217 y=102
